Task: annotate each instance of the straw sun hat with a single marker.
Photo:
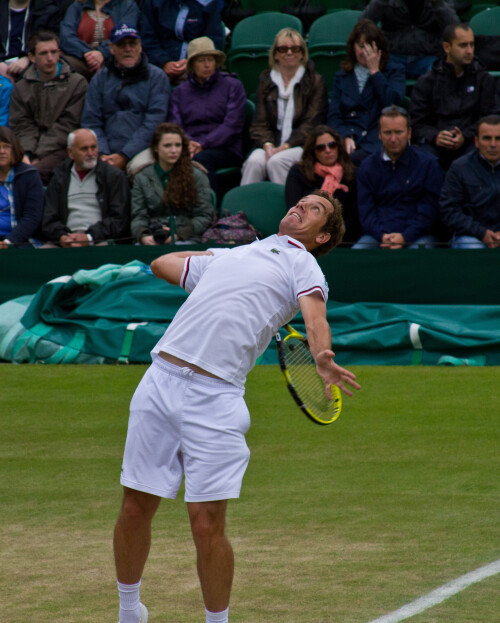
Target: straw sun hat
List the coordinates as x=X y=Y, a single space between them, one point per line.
x=203 y=46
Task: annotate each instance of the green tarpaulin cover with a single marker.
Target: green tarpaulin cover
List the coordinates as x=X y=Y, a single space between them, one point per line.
x=117 y=313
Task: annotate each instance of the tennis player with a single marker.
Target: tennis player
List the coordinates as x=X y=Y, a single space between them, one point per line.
x=188 y=416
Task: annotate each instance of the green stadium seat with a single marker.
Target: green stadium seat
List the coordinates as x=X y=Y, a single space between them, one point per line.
x=248 y=66
x=263 y=203
x=486 y=22
x=327 y=63
x=331 y=31
x=256 y=33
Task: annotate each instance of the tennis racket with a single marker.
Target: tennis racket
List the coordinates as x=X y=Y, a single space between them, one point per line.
x=303 y=382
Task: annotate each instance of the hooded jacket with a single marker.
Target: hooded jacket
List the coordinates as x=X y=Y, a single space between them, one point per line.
x=124 y=106
x=440 y=101
x=212 y=113
x=28 y=203
x=42 y=114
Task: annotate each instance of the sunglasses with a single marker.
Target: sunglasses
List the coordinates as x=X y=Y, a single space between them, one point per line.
x=323 y=146
x=283 y=49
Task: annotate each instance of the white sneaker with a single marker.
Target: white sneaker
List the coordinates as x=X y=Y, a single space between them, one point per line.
x=144 y=614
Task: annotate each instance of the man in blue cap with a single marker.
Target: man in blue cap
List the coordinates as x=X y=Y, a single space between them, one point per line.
x=125 y=101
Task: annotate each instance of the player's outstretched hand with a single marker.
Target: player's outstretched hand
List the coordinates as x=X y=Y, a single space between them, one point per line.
x=333 y=374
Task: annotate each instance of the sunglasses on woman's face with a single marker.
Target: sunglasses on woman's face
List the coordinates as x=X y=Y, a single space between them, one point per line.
x=323 y=146
x=283 y=49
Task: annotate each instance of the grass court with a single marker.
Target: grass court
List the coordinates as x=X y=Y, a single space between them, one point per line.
x=336 y=524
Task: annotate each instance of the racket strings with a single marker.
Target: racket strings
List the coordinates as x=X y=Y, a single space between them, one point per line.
x=303 y=376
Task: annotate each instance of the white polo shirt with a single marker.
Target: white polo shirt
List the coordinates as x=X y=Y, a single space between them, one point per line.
x=239 y=298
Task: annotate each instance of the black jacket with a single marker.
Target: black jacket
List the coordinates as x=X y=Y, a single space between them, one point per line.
x=113 y=195
x=440 y=101
x=420 y=36
x=470 y=198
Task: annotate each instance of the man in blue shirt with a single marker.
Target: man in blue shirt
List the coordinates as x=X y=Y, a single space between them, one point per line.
x=398 y=189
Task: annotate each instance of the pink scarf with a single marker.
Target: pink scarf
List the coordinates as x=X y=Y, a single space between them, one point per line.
x=332 y=176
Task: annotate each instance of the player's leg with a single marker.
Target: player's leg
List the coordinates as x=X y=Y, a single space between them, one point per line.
x=132 y=541
x=215 y=559
x=132 y=536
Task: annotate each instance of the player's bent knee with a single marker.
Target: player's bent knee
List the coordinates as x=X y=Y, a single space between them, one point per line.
x=139 y=506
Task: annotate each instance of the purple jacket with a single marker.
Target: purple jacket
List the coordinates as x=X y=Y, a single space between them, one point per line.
x=212 y=113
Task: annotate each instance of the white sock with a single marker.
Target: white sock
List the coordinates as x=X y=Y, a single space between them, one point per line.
x=217 y=617
x=130 y=611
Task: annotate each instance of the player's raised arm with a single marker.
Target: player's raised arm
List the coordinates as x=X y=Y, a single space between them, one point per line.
x=319 y=338
x=171 y=265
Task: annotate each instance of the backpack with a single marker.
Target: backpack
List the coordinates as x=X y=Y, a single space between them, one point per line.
x=231 y=229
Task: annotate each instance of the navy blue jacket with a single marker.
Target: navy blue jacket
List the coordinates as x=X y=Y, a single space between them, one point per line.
x=123 y=107
x=470 y=200
x=356 y=114
x=28 y=202
x=120 y=11
x=399 y=197
x=166 y=30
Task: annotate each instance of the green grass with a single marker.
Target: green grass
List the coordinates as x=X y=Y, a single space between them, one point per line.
x=337 y=524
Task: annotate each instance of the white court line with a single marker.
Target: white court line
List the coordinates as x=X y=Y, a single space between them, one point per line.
x=440 y=594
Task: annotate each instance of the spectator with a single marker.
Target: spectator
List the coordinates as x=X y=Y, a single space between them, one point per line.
x=325 y=164
x=46 y=104
x=367 y=82
x=21 y=194
x=171 y=197
x=19 y=19
x=86 y=28
x=87 y=201
x=125 y=101
x=447 y=102
x=413 y=29
x=168 y=26
x=398 y=190
x=210 y=108
x=291 y=99
x=6 y=87
x=470 y=200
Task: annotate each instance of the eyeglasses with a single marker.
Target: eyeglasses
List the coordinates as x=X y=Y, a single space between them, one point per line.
x=323 y=146
x=283 y=49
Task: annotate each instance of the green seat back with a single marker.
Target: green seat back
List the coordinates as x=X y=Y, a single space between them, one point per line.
x=486 y=22
x=332 y=30
x=263 y=203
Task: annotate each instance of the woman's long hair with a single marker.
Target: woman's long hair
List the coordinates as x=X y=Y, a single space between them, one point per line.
x=372 y=33
x=309 y=154
x=181 y=190
x=8 y=136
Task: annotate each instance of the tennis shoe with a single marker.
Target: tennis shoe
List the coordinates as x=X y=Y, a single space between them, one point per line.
x=144 y=614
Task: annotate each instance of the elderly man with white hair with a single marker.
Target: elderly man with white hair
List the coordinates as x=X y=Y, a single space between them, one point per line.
x=88 y=200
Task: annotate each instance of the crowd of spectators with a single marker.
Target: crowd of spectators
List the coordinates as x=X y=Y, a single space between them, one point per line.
x=115 y=116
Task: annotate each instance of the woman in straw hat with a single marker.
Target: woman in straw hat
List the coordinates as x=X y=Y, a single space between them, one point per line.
x=210 y=107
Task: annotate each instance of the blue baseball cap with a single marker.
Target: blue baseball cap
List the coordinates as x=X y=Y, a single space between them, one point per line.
x=122 y=31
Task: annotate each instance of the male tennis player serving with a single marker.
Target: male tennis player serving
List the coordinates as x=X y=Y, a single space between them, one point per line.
x=188 y=415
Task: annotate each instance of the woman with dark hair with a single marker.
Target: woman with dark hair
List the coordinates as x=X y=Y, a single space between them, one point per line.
x=171 y=197
x=291 y=99
x=86 y=28
x=21 y=194
x=326 y=165
x=368 y=82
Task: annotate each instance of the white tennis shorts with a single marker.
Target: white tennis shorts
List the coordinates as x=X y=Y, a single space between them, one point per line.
x=180 y=423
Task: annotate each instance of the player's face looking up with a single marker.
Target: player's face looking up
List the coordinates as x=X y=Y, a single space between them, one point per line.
x=306 y=220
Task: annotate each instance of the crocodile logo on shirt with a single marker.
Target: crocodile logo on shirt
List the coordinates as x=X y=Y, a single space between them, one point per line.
x=275 y=251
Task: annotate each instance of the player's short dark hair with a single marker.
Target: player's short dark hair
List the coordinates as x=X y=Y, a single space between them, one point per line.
x=8 y=136
x=334 y=225
x=41 y=36
x=489 y=119
x=450 y=31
